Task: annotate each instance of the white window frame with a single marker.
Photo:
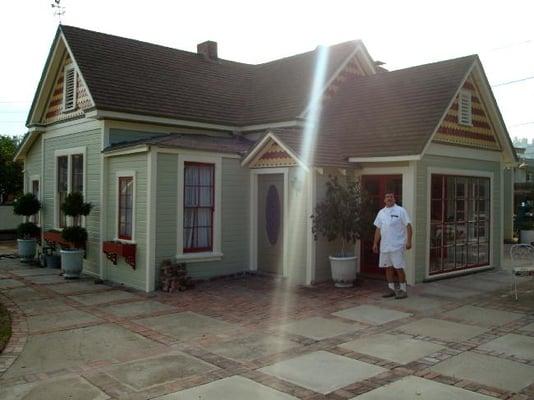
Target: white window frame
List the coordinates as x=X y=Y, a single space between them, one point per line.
x=125 y=174
x=37 y=178
x=69 y=67
x=69 y=153
x=465 y=95
x=216 y=253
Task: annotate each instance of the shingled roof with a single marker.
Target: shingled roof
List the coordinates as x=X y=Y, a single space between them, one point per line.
x=137 y=77
x=392 y=113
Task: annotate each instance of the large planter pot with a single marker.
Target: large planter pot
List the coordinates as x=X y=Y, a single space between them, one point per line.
x=343 y=271
x=72 y=262
x=526 y=237
x=26 y=248
x=53 y=261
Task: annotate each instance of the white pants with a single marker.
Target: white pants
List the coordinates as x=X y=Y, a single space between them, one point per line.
x=394 y=259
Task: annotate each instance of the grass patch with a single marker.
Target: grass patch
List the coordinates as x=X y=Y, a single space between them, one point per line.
x=5 y=327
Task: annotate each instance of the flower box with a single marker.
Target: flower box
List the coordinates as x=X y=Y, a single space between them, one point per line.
x=54 y=238
x=115 y=249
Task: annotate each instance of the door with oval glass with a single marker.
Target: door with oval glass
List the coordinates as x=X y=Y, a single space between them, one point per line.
x=270 y=223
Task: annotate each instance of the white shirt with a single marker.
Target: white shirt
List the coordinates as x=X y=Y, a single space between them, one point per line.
x=392 y=222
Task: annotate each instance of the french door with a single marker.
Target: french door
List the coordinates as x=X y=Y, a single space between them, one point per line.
x=459 y=223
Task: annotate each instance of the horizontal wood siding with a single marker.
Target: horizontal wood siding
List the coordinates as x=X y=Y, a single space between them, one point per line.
x=32 y=163
x=92 y=141
x=122 y=272
x=166 y=201
x=423 y=203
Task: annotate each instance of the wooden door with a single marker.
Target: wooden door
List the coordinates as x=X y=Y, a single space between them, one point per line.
x=270 y=223
x=377 y=186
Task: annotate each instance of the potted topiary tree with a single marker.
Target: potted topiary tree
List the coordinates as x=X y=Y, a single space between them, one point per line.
x=72 y=258
x=345 y=215
x=27 y=232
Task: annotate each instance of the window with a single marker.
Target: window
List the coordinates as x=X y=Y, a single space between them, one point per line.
x=69 y=179
x=199 y=206
x=35 y=190
x=464 y=108
x=125 y=207
x=69 y=88
x=460 y=223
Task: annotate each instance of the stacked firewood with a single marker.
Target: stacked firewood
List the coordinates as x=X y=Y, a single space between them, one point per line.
x=173 y=277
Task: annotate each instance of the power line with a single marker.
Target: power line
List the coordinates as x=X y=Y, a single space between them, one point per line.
x=523 y=123
x=514 y=81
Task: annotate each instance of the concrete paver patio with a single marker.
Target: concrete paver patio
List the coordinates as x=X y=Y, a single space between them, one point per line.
x=257 y=338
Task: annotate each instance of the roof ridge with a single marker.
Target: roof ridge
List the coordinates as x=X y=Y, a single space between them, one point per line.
x=448 y=60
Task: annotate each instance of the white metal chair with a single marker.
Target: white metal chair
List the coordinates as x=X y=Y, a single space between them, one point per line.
x=522 y=257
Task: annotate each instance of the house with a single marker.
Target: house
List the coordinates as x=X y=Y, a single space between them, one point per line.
x=219 y=164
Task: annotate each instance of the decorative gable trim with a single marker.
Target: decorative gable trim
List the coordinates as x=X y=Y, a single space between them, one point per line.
x=271 y=152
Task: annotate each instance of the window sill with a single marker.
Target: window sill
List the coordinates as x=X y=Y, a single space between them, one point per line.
x=128 y=241
x=200 y=257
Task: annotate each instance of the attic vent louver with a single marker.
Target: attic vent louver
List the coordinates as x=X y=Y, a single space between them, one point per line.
x=69 y=88
x=464 y=108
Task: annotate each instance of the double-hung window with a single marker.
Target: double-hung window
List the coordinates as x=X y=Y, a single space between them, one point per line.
x=69 y=179
x=199 y=207
x=125 y=206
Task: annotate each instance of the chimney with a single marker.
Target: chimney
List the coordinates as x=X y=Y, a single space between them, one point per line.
x=208 y=50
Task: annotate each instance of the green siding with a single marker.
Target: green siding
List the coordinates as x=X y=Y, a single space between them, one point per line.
x=92 y=141
x=125 y=135
x=422 y=202
x=235 y=218
x=32 y=163
x=122 y=272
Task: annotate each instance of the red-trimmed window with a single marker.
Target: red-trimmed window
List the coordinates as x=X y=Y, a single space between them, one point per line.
x=125 y=207
x=199 y=206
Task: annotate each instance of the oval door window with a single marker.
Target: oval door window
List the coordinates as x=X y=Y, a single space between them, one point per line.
x=272 y=215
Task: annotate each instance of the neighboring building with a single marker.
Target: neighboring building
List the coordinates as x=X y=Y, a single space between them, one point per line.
x=219 y=164
x=524 y=177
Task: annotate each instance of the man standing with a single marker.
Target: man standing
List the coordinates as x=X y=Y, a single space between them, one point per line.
x=394 y=232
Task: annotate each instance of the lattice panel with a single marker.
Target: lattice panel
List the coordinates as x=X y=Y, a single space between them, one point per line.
x=481 y=134
x=272 y=155
x=54 y=111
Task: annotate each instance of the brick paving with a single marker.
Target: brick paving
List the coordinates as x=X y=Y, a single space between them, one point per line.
x=255 y=307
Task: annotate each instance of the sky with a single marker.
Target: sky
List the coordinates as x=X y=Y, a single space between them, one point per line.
x=399 y=33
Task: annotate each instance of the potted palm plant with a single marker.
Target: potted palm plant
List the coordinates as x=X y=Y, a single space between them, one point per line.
x=27 y=232
x=72 y=258
x=344 y=216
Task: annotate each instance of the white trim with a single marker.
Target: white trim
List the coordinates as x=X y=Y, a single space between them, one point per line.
x=458 y=172
x=471 y=153
x=67 y=69
x=152 y=159
x=102 y=114
x=200 y=257
x=311 y=244
x=131 y=150
x=262 y=143
x=284 y=124
x=445 y=112
x=77 y=68
x=125 y=174
x=457 y=273
x=254 y=216
x=414 y=157
x=71 y=127
x=69 y=152
x=103 y=201
x=217 y=217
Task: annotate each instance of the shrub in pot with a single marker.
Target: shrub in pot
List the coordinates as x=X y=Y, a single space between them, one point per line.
x=72 y=258
x=344 y=216
x=27 y=232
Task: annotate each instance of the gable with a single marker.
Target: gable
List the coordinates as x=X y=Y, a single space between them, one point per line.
x=352 y=69
x=272 y=155
x=54 y=111
x=481 y=133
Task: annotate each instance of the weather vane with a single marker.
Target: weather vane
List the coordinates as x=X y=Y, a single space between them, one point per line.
x=59 y=10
